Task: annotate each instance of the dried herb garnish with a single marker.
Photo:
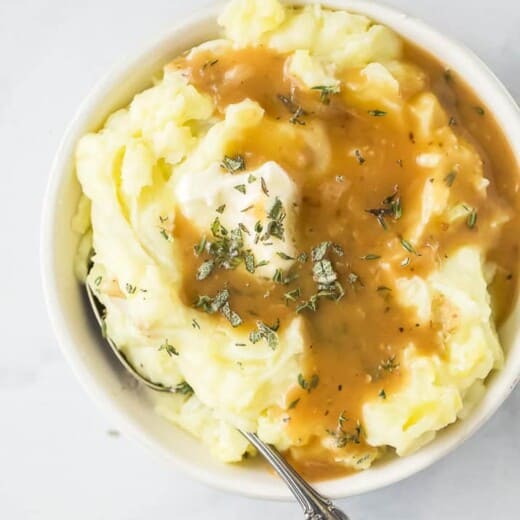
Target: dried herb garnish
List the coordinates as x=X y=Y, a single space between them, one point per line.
x=326 y=92
x=221 y=209
x=293 y=404
x=205 y=269
x=293 y=295
x=296 y=110
x=210 y=63
x=408 y=246
x=231 y=316
x=201 y=246
x=220 y=303
x=233 y=164
x=266 y=333
x=241 y=188
x=377 y=113
x=371 y=256
x=130 y=289
x=342 y=437
x=166 y=235
x=450 y=179
x=275 y=224
x=310 y=384
x=264 y=187
x=471 y=221
x=184 y=389
x=169 y=349
x=389 y=365
x=391 y=207
x=225 y=250
x=283 y=256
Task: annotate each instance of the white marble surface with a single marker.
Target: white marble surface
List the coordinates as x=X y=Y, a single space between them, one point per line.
x=57 y=460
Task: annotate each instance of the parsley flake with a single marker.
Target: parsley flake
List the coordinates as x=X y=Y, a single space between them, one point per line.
x=326 y=92
x=233 y=164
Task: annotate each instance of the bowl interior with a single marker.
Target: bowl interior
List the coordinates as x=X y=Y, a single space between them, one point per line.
x=99 y=372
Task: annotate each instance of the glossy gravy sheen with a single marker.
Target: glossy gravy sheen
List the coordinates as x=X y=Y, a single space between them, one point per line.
x=354 y=345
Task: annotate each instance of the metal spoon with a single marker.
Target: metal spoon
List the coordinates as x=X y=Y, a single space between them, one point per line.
x=315 y=506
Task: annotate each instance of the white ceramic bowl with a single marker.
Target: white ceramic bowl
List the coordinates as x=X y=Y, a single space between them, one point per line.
x=92 y=362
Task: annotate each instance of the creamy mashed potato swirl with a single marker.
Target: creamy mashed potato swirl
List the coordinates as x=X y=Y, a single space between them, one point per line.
x=196 y=149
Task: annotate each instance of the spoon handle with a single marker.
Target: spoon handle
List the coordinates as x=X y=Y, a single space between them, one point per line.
x=315 y=507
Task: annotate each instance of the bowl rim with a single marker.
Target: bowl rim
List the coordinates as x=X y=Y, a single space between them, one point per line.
x=404 y=25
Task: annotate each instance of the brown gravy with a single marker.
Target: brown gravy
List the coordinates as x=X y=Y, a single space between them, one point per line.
x=354 y=344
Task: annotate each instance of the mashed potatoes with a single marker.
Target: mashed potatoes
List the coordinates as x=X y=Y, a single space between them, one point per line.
x=215 y=156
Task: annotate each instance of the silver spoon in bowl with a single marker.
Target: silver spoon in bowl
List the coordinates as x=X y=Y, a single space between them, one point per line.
x=315 y=506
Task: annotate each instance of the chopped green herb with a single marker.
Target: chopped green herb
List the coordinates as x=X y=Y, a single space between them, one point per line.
x=343 y=438
x=275 y=226
x=450 y=179
x=251 y=178
x=264 y=332
x=130 y=289
x=391 y=206
x=293 y=404
x=389 y=365
x=241 y=188
x=245 y=210
x=169 y=349
x=278 y=277
x=405 y=262
x=408 y=246
x=283 y=256
x=471 y=221
x=382 y=394
x=166 y=235
x=296 y=110
x=302 y=258
x=243 y=228
x=249 y=262
x=293 y=295
x=195 y=324
x=377 y=113
x=326 y=92
x=233 y=164
x=200 y=247
x=319 y=252
x=264 y=187
x=205 y=269
x=309 y=385
x=221 y=209
x=231 y=316
x=311 y=305
x=98 y=281
x=354 y=280
x=371 y=256
x=210 y=63
x=323 y=272
x=184 y=389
